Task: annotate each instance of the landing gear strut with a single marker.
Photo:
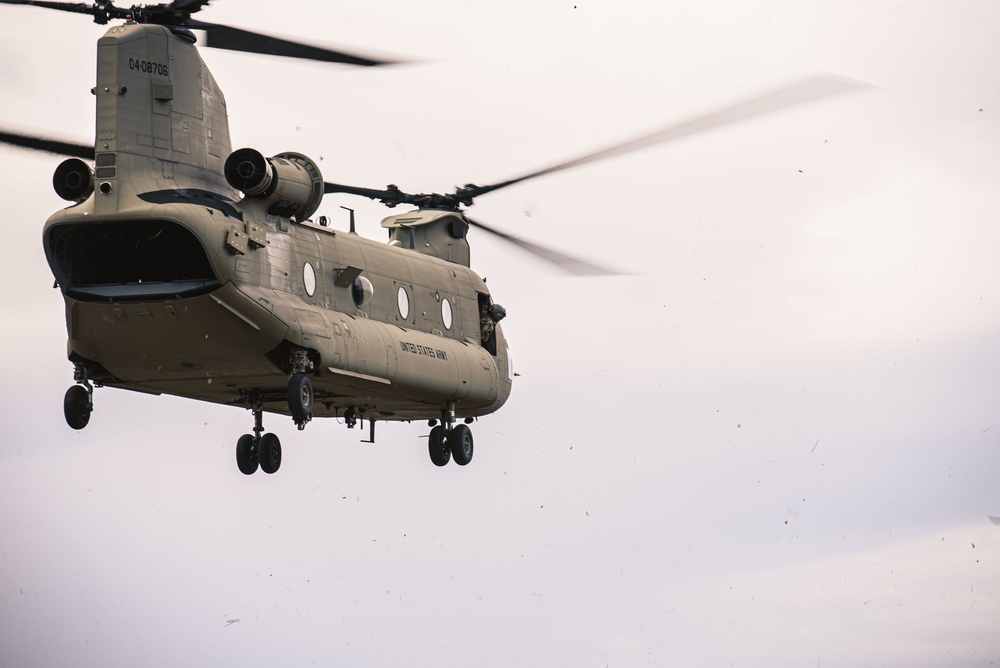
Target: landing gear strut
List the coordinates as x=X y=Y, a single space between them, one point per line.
x=447 y=442
x=253 y=450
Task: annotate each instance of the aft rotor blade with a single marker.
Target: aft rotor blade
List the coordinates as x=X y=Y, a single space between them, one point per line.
x=76 y=7
x=801 y=92
x=82 y=151
x=237 y=39
x=565 y=262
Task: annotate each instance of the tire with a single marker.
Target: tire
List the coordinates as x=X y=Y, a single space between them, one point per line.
x=246 y=455
x=270 y=453
x=300 y=398
x=438 y=447
x=77 y=407
x=461 y=444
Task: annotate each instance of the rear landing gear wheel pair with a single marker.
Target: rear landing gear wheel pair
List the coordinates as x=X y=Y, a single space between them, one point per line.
x=444 y=445
x=252 y=452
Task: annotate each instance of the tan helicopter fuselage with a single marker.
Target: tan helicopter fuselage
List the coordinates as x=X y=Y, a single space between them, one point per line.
x=176 y=282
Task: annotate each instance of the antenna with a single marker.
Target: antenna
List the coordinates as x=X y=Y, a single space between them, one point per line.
x=352 y=217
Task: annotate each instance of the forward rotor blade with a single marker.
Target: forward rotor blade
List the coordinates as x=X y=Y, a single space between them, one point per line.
x=797 y=93
x=187 y=6
x=236 y=39
x=390 y=197
x=565 y=262
x=82 y=151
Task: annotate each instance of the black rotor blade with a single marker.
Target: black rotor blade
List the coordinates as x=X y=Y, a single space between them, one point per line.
x=82 y=151
x=77 y=7
x=390 y=197
x=797 y=93
x=236 y=39
x=102 y=13
x=187 y=7
x=565 y=262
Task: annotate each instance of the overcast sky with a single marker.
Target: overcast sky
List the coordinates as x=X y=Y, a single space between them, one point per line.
x=773 y=443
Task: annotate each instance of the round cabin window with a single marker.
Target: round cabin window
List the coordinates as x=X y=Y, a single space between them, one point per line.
x=446 y=313
x=362 y=291
x=403 y=301
x=309 y=279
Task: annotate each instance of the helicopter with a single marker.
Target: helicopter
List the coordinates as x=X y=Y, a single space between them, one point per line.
x=193 y=270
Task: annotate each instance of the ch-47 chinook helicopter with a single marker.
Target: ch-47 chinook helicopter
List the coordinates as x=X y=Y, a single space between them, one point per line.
x=191 y=269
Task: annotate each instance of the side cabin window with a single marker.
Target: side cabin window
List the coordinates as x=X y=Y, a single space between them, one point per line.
x=487 y=325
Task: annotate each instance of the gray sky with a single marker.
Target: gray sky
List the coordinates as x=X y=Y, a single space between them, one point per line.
x=773 y=444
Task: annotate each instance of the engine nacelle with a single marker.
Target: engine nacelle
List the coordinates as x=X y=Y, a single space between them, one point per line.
x=289 y=183
x=73 y=180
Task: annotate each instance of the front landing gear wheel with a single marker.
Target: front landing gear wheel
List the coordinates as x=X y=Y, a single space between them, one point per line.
x=300 y=399
x=246 y=454
x=270 y=453
x=77 y=407
x=461 y=444
x=438 y=447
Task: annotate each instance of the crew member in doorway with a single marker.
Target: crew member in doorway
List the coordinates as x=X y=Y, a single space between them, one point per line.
x=489 y=316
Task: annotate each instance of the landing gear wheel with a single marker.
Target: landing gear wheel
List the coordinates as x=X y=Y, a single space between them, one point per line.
x=270 y=453
x=438 y=447
x=300 y=399
x=77 y=407
x=461 y=444
x=246 y=454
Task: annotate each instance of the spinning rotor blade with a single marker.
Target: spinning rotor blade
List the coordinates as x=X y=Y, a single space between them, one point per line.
x=804 y=91
x=237 y=39
x=77 y=7
x=565 y=262
x=82 y=151
x=390 y=197
x=178 y=13
x=393 y=196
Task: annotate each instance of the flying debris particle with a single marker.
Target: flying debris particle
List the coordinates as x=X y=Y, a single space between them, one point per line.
x=814 y=447
x=230 y=622
x=866 y=602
